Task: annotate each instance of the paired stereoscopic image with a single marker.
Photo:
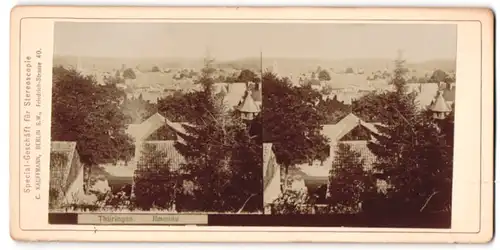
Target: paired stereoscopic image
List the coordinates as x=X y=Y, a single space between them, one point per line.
x=347 y=120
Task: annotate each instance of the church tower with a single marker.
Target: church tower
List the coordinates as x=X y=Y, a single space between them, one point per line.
x=248 y=109
x=440 y=109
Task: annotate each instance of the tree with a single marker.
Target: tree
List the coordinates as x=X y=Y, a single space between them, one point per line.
x=326 y=90
x=388 y=107
x=413 y=155
x=155 y=69
x=349 y=183
x=182 y=107
x=324 y=75
x=292 y=122
x=137 y=109
x=349 y=71
x=450 y=78
x=333 y=110
x=247 y=75
x=91 y=115
x=156 y=180
x=223 y=160
x=413 y=79
x=376 y=107
x=129 y=74
x=439 y=76
x=292 y=202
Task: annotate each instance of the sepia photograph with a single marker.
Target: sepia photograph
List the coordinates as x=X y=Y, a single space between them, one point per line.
x=361 y=122
x=154 y=124
x=283 y=125
x=244 y=118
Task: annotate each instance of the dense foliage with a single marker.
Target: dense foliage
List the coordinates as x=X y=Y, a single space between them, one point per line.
x=156 y=180
x=247 y=75
x=323 y=75
x=91 y=115
x=292 y=122
x=414 y=153
x=129 y=74
x=349 y=183
x=412 y=173
x=223 y=160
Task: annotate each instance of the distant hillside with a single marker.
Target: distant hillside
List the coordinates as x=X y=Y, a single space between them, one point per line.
x=292 y=65
x=108 y=64
x=310 y=64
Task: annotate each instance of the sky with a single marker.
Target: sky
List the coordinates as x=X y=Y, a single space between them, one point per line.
x=231 y=41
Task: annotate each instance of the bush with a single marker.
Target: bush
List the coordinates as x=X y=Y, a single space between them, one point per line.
x=324 y=76
x=129 y=74
x=292 y=202
x=155 y=182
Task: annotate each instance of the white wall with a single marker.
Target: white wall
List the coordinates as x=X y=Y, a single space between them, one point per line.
x=75 y=190
x=273 y=190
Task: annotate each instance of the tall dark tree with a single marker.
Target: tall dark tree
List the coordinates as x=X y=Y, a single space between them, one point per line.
x=223 y=160
x=413 y=155
x=292 y=122
x=333 y=110
x=156 y=180
x=182 y=107
x=349 y=183
x=91 y=115
x=247 y=75
x=137 y=109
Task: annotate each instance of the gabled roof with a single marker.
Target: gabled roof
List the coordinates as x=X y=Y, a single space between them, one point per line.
x=237 y=88
x=177 y=126
x=127 y=171
x=449 y=95
x=337 y=131
x=440 y=105
x=170 y=152
x=267 y=152
x=141 y=131
x=60 y=168
x=249 y=105
x=362 y=148
x=257 y=95
x=267 y=155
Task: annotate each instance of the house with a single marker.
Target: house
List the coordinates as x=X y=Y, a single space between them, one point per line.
x=257 y=96
x=272 y=176
x=245 y=97
x=449 y=93
x=123 y=174
x=66 y=174
x=350 y=130
x=248 y=108
x=439 y=107
x=426 y=94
